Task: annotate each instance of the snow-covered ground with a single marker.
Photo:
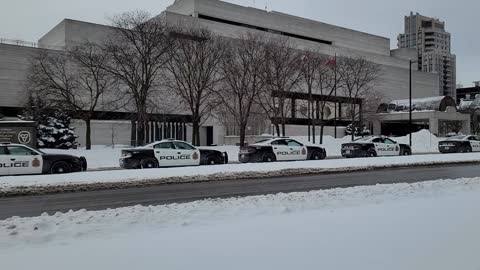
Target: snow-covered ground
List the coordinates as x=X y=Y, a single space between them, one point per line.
x=430 y=225
x=99 y=157
x=229 y=171
x=104 y=157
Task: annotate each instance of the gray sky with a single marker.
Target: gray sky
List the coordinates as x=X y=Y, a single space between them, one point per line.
x=30 y=19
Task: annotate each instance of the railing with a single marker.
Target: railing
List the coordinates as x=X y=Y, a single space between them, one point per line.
x=18 y=42
x=23 y=43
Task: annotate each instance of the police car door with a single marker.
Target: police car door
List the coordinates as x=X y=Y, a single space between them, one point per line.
x=393 y=149
x=282 y=150
x=298 y=150
x=187 y=154
x=380 y=147
x=4 y=161
x=24 y=160
x=166 y=154
x=474 y=143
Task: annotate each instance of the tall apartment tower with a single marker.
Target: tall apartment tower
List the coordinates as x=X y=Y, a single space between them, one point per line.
x=433 y=44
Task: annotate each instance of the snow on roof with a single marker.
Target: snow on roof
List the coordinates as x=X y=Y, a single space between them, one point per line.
x=440 y=103
x=466 y=105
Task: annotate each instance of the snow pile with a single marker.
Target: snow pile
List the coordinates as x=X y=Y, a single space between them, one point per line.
x=423 y=142
x=104 y=157
x=100 y=157
x=429 y=225
x=33 y=184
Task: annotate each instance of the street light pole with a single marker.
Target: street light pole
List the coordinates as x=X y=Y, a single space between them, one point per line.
x=410 y=124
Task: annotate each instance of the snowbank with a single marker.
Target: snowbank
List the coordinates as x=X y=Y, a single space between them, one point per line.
x=423 y=142
x=32 y=184
x=429 y=225
x=106 y=157
x=100 y=157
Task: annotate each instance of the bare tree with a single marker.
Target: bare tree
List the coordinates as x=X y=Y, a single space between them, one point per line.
x=319 y=76
x=74 y=81
x=241 y=71
x=139 y=49
x=282 y=75
x=194 y=72
x=359 y=76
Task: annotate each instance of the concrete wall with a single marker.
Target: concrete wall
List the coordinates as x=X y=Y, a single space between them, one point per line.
x=70 y=33
x=341 y=37
x=14 y=64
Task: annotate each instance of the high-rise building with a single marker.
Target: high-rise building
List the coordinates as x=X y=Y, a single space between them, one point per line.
x=433 y=44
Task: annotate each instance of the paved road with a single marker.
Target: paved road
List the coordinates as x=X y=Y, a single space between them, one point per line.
x=97 y=200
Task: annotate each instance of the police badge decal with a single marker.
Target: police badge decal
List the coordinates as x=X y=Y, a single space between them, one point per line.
x=36 y=163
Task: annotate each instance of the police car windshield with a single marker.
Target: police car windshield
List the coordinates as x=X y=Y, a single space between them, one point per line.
x=454 y=138
x=363 y=139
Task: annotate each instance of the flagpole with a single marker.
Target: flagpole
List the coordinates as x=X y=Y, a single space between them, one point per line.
x=335 y=89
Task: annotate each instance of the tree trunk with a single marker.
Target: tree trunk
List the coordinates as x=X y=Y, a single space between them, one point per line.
x=322 y=127
x=314 y=112
x=277 y=129
x=142 y=124
x=88 y=134
x=195 y=133
x=242 y=135
x=354 y=129
x=283 y=129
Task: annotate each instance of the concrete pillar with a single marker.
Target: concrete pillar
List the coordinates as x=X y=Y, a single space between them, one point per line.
x=434 y=126
x=466 y=127
x=377 y=127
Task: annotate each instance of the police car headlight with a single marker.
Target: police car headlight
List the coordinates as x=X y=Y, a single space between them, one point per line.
x=127 y=155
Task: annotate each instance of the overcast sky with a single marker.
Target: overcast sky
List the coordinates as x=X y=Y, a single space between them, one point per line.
x=31 y=19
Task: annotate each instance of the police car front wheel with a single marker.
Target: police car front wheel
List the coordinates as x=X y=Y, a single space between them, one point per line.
x=149 y=164
x=60 y=167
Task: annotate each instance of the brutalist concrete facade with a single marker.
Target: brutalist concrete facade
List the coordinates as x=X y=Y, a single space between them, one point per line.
x=230 y=20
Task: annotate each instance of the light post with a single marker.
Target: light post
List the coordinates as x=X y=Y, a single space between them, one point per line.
x=410 y=124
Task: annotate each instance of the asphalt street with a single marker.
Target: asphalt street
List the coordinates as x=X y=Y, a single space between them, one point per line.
x=180 y=193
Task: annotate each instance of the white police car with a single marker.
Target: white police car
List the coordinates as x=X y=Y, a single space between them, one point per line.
x=280 y=149
x=374 y=146
x=18 y=159
x=170 y=153
x=460 y=144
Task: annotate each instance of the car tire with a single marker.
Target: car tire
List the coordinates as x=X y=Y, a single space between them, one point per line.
x=60 y=167
x=406 y=152
x=84 y=165
x=213 y=161
x=467 y=149
x=148 y=163
x=371 y=152
x=269 y=157
x=317 y=155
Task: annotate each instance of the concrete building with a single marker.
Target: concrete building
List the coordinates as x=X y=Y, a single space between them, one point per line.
x=231 y=21
x=468 y=93
x=437 y=114
x=433 y=44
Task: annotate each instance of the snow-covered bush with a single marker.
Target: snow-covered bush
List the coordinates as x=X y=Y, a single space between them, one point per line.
x=53 y=130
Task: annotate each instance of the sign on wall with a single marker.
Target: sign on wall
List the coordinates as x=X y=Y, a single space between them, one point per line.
x=19 y=132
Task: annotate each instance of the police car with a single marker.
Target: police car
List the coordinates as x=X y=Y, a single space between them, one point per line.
x=280 y=149
x=374 y=146
x=460 y=144
x=170 y=153
x=18 y=159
